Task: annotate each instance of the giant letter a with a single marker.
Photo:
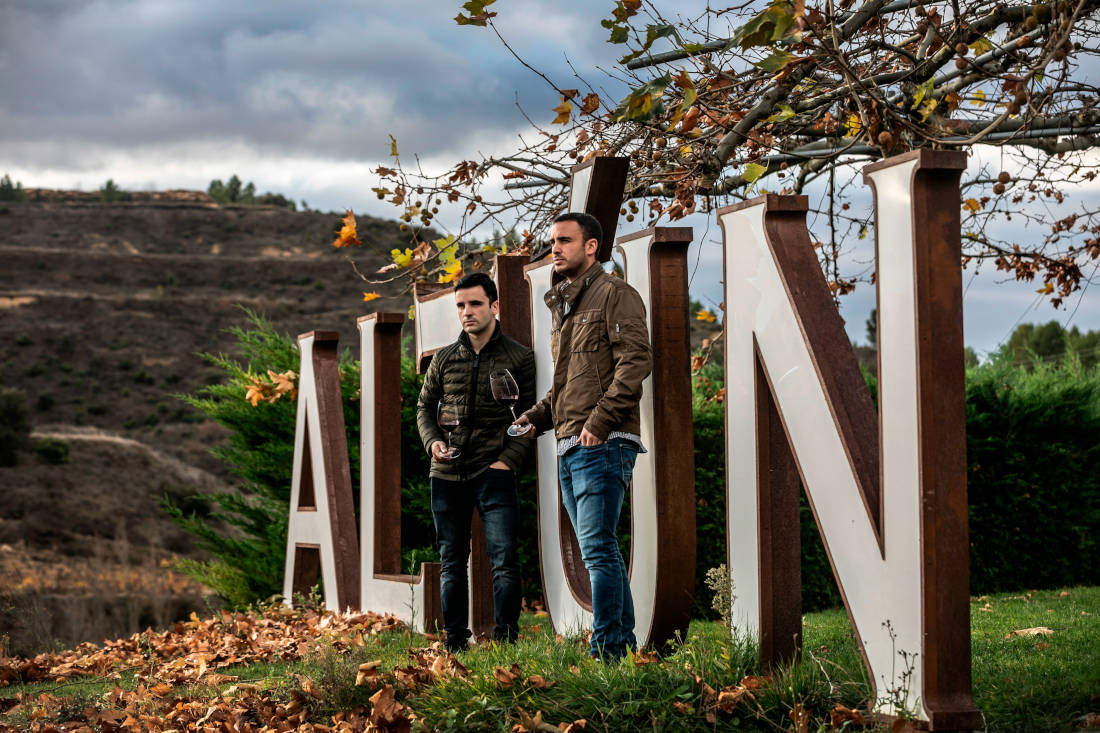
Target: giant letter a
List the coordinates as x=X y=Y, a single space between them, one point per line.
x=888 y=493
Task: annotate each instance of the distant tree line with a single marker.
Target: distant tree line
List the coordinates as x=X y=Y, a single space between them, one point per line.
x=10 y=191
x=236 y=192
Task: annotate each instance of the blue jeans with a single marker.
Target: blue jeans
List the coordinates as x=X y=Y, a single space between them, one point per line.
x=593 y=482
x=493 y=493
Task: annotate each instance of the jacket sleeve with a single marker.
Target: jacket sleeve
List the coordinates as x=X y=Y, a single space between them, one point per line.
x=540 y=414
x=516 y=450
x=631 y=358
x=426 y=404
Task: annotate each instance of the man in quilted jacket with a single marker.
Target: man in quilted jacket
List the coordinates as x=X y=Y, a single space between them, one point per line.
x=601 y=350
x=483 y=474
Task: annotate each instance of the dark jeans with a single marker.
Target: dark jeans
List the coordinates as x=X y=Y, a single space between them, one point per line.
x=493 y=494
x=593 y=482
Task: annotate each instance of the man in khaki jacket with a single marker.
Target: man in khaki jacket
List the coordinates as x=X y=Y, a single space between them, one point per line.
x=600 y=345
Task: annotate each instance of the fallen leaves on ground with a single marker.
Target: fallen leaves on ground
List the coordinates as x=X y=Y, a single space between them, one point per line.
x=191 y=650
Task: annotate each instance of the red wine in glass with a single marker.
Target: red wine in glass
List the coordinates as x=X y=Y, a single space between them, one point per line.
x=449 y=417
x=506 y=392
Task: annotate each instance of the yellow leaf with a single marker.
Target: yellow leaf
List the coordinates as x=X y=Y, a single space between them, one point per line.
x=368 y=297
x=972 y=205
x=563 y=111
x=347 y=235
x=1046 y=289
x=447 y=248
x=979 y=98
x=401 y=259
x=393 y=146
x=852 y=125
x=451 y=272
x=705 y=315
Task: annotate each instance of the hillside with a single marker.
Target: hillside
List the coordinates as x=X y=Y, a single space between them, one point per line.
x=103 y=308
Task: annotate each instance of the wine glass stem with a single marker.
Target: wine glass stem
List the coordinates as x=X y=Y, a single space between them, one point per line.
x=513 y=409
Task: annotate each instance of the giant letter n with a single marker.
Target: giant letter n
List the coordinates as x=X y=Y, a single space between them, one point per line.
x=888 y=492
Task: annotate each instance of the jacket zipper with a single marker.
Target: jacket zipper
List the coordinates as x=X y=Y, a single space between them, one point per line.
x=471 y=411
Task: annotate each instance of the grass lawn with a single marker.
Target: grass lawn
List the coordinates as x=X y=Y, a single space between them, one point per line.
x=1041 y=682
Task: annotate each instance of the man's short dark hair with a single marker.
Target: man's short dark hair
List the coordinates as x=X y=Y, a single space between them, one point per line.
x=479 y=279
x=590 y=225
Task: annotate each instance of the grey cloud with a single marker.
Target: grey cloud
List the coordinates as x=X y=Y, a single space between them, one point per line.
x=287 y=78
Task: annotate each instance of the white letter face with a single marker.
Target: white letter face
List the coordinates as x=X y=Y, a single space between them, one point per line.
x=320 y=468
x=881 y=584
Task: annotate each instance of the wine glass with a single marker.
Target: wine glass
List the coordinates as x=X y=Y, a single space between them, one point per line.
x=449 y=417
x=506 y=392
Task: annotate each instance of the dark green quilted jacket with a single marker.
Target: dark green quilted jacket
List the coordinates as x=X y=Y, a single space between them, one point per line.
x=481 y=437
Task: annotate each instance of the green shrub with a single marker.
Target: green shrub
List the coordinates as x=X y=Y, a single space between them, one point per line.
x=52 y=451
x=1033 y=447
x=15 y=425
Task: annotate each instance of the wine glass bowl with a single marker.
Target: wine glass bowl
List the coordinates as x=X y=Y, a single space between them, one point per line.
x=449 y=417
x=506 y=391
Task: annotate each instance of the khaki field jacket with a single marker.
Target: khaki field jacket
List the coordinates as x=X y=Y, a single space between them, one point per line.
x=600 y=345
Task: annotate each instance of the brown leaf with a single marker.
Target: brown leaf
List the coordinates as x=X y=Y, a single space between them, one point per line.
x=903 y=725
x=682 y=707
x=507 y=677
x=590 y=104
x=840 y=714
x=800 y=716
x=528 y=724
x=1036 y=631
x=729 y=698
x=539 y=682
x=388 y=714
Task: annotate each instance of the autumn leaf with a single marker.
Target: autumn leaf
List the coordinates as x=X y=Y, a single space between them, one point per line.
x=386 y=713
x=368 y=673
x=368 y=297
x=972 y=205
x=1035 y=631
x=840 y=715
x=257 y=391
x=283 y=384
x=1046 y=289
x=979 y=98
x=590 y=104
x=347 y=237
x=706 y=316
x=393 y=146
x=563 y=111
x=451 y=272
x=753 y=171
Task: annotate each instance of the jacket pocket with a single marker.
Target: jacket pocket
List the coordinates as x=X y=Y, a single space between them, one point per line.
x=588 y=331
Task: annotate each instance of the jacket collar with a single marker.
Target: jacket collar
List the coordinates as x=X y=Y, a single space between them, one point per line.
x=464 y=338
x=566 y=295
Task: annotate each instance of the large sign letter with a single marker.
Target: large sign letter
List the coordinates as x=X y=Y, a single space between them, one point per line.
x=888 y=493
x=321 y=532
x=412 y=598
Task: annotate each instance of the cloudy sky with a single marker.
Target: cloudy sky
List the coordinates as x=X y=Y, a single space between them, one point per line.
x=300 y=97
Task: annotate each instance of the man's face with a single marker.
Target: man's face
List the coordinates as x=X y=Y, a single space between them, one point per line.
x=571 y=253
x=475 y=312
